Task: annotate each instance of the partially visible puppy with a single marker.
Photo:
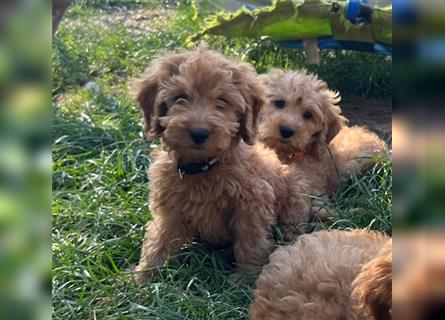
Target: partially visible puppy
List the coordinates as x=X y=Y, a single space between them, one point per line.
x=373 y=286
x=419 y=276
x=313 y=279
x=210 y=181
x=301 y=121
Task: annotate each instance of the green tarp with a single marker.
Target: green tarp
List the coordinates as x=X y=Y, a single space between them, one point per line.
x=294 y=20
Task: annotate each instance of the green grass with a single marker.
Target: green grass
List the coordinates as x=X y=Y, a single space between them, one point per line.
x=100 y=188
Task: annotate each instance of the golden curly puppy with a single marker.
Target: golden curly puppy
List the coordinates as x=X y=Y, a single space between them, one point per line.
x=301 y=121
x=313 y=279
x=209 y=181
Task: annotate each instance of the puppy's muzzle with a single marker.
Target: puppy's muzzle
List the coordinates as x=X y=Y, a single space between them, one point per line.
x=199 y=135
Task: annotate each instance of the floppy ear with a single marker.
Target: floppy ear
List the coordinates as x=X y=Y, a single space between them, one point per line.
x=333 y=120
x=252 y=90
x=145 y=90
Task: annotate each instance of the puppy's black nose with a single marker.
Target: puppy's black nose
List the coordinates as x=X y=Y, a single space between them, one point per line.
x=199 y=135
x=286 y=132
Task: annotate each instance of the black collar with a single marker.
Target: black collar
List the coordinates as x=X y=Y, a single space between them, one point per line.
x=197 y=167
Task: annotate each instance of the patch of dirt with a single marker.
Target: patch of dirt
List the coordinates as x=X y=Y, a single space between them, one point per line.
x=140 y=21
x=135 y=21
x=376 y=115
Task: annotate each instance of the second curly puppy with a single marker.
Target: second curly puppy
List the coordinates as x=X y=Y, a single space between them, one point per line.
x=302 y=122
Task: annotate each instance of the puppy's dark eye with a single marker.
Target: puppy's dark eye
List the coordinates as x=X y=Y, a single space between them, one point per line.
x=279 y=104
x=222 y=103
x=307 y=115
x=180 y=99
x=163 y=110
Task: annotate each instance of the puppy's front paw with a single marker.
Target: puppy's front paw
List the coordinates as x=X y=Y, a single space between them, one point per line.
x=236 y=278
x=321 y=210
x=142 y=276
x=142 y=279
x=292 y=232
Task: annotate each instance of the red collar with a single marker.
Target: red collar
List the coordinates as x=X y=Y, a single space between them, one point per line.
x=292 y=155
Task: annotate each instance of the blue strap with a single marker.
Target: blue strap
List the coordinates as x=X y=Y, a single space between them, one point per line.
x=358 y=11
x=353 y=10
x=330 y=43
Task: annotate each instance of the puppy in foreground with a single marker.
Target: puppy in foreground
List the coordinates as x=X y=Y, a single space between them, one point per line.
x=301 y=121
x=210 y=181
x=327 y=275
